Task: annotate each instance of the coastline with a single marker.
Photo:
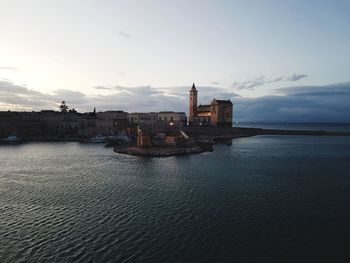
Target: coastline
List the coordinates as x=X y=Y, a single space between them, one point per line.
x=206 y=137
x=158 y=151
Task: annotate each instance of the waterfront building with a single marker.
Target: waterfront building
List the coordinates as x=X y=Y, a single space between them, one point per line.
x=9 y=122
x=91 y=124
x=219 y=113
x=171 y=118
x=143 y=119
x=87 y=125
x=118 y=120
x=69 y=124
x=43 y=124
x=30 y=125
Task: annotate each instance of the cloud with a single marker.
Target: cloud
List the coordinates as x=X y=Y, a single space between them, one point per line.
x=103 y=88
x=131 y=99
x=9 y=68
x=253 y=83
x=277 y=79
x=10 y=88
x=215 y=83
x=328 y=103
x=14 y=96
x=250 y=84
x=296 y=77
x=73 y=97
x=125 y=35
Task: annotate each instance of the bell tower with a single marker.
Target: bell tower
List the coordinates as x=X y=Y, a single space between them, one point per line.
x=193 y=104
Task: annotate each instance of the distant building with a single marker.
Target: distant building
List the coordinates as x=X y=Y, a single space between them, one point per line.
x=44 y=124
x=219 y=113
x=117 y=120
x=161 y=119
x=112 y=115
x=87 y=125
x=9 y=123
x=171 y=118
x=55 y=123
x=143 y=119
x=103 y=123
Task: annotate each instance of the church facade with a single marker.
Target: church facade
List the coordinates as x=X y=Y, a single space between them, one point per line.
x=219 y=113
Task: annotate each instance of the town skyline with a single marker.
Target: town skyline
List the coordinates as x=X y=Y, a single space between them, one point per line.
x=271 y=59
x=327 y=103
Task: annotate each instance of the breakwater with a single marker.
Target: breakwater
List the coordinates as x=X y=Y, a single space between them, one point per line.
x=203 y=139
x=248 y=132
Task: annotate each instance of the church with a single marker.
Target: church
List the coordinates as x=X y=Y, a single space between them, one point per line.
x=218 y=113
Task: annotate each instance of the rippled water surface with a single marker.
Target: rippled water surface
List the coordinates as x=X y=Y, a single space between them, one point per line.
x=263 y=198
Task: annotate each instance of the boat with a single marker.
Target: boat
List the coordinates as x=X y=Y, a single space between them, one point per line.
x=114 y=140
x=10 y=139
x=123 y=138
x=97 y=139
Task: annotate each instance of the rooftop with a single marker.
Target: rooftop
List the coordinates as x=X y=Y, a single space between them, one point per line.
x=215 y=101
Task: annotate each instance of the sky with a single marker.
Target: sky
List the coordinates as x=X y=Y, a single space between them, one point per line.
x=276 y=60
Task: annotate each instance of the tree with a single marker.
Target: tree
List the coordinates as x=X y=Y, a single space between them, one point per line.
x=63 y=107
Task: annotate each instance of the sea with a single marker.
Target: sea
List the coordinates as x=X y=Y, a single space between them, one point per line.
x=261 y=199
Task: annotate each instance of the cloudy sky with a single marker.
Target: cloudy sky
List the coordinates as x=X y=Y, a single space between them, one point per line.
x=276 y=60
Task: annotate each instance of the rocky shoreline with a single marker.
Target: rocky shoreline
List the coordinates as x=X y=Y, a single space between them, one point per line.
x=205 y=138
x=157 y=151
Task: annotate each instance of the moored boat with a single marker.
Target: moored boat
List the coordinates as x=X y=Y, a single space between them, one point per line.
x=114 y=140
x=10 y=139
x=97 y=139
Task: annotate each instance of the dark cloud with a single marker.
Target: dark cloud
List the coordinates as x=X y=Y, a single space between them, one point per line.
x=296 y=77
x=277 y=79
x=304 y=103
x=125 y=35
x=252 y=84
